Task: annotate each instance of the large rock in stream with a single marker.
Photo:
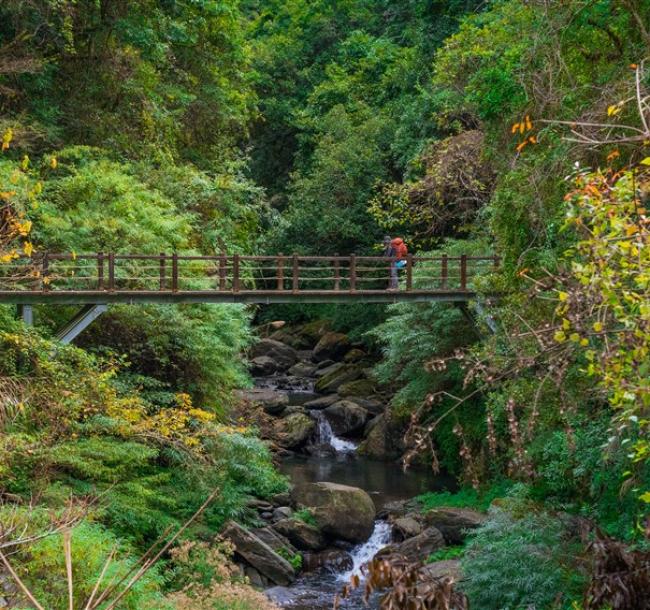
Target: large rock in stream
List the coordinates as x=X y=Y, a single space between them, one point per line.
x=332 y=381
x=340 y=511
x=302 y=535
x=259 y=554
x=346 y=418
x=283 y=355
x=331 y=346
x=294 y=430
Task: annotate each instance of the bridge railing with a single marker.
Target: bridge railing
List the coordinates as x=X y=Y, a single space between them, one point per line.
x=164 y=272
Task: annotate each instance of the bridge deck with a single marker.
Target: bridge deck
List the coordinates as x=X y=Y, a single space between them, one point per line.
x=171 y=278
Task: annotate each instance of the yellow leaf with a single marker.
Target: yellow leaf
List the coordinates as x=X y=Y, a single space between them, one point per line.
x=559 y=336
x=53 y=162
x=646 y=161
x=563 y=296
x=24 y=164
x=598 y=327
x=613 y=109
x=28 y=248
x=645 y=497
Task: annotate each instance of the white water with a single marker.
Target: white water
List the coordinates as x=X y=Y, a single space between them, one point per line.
x=326 y=436
x=363 y=553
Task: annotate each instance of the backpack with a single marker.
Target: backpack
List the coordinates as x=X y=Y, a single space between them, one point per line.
x=399 y=248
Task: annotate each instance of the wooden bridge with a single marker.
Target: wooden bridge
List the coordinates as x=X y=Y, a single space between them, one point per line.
x=103 y=278
x=97 y=280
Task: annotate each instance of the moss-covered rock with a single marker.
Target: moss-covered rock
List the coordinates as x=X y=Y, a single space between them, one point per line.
x=341 y=512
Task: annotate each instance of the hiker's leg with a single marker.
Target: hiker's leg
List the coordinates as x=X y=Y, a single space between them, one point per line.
x=393 y=276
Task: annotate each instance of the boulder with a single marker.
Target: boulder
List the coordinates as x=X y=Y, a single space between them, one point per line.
x=322 y=402
x=453 y=522
x=255 y=579
x=283 y=355
x=302 y=369
x=332 y=346
x=333 y=560
x=328 y=367
x=293 y=431
x=372 y=405
x=340 y=511
x=263 y=366
x=405 y=528
x=360 y=387
x=271 y=401
x=417 y=548
x=259 y=555
x=354 y=355
x=302 y=535
x=282 y=512
x=330 y=383
x=439 y=569
x=275 y=540
x=346 y=418
x=281 y=499
x=384 y=438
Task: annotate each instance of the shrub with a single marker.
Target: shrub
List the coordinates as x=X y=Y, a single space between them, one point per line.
x=520 y=560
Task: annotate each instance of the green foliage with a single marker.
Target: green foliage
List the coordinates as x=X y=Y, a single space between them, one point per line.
x=445 y=554
x=43 y=569
x=305 y=515
x=465 y=498
x=519 y=560
x=295 y=559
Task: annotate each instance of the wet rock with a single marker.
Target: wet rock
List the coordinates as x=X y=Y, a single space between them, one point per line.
x=293 y=431
x=271 y=401
x=293 y=409
x=340 y=511
x=346 y=418
x=282 y=512
x=417 y=548
x=406 y=527
x=302 y=535
x=384 y=438
x=266 y=515
x=263 y=366
x=292 y=338
x=395 y=509
x=328 y=367
x=333 y=560
x=354 y=355
x=360 y=387
x=330 y=383
x=283 y=355
x=259 y=555
x=322 y=403
x=331 y=346
x=453 y=522
x=372 y=405
x=302 y=369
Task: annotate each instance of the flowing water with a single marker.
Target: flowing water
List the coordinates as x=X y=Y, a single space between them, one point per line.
x=335 y=460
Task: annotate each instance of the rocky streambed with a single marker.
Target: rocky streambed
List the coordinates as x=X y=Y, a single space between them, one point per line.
x=334 y=436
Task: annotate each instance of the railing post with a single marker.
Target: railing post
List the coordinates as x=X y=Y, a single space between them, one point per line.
x=497 y=260
x=463 y=272
x=295 y=284
x=174 y=272
x=353 y=272
x=280 y=276
x=163 y=278
x=45 y=272
x=111 y=271
x=235 y=273
x=222 y=271
x=100 y=271
x=409 y=272
x=444 y=272
x=337 y=273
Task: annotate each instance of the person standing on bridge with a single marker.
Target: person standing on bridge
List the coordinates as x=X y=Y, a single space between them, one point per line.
x=395 y=248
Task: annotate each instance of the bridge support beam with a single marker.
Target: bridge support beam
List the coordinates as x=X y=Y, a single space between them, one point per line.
x=26 y=314
x=80 y=322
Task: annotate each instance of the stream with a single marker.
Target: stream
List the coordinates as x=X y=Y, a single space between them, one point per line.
x=385 y=482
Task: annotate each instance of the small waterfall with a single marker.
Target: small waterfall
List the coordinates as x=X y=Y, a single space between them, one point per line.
x=325 y=436
x=363 y=553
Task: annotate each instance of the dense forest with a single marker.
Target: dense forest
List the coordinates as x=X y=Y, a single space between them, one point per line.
x=508 y=128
